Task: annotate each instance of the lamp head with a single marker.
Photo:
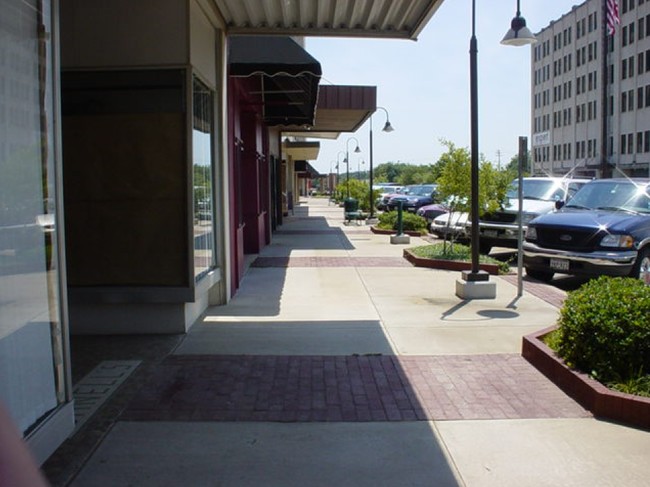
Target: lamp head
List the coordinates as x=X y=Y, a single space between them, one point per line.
x=388 y=127
x=519 y=34
x=357 y=149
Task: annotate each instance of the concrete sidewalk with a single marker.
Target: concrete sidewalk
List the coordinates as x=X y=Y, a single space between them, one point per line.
x=338 y=363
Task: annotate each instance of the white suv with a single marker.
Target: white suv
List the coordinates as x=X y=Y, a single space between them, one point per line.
x=500 y=228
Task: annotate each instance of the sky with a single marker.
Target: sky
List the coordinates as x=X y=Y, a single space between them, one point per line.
x=424 y=84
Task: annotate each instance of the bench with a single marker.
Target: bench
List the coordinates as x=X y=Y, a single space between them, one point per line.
x=356 y=216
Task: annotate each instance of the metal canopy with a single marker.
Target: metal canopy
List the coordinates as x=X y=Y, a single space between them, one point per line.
x=396 y=19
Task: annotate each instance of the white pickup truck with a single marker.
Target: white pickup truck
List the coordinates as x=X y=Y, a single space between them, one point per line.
x=500 y=228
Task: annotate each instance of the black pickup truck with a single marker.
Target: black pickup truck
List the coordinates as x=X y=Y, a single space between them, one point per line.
x=603 y=230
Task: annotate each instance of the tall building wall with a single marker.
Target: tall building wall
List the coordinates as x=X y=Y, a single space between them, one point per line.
x=571 y=90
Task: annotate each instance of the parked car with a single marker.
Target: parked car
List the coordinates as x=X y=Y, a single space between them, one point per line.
x=451 y=225
x=429 y=212
x=539 y=194
x=386 y=194
x=413 y=197
x=603 y=230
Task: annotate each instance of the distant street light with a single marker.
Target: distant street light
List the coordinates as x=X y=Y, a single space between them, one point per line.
x=347 y=161
x=387 y=128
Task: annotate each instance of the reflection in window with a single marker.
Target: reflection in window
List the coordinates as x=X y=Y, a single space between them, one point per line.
x=202 y=180
x=31 y=346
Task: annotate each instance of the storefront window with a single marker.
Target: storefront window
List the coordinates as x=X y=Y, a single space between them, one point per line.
x=31 y=346
x=203 y=177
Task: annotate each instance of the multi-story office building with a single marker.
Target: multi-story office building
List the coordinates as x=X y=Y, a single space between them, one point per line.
x=591 y=93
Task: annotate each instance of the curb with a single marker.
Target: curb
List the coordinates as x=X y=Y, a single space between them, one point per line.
x=450 y=265
x=380 y=231
x=589 y=393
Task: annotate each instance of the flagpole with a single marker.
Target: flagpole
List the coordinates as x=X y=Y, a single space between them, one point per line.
x=610 y=17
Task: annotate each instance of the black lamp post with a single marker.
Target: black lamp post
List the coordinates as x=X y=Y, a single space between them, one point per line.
x=347 y=161
x=387 y=128
x=518 y=35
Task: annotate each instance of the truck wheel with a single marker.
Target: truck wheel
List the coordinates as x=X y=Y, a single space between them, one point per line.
x=540 y=275
x=641 y=267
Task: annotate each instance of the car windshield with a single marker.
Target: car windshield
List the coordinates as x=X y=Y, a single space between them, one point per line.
x=613 y=195
x=537 y=189
x=425 y=190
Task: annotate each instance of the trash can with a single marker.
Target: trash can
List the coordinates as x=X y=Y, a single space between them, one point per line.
x=350 y=205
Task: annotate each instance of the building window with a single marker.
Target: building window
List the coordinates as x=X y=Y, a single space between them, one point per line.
x=32 y=353
x=623 y=143
x=630 y=100
x=203 y=176
x=640 y=65
x=641 y=25
x=639 y=98
x=646 y=141
x=639 y=142
x=630 y=143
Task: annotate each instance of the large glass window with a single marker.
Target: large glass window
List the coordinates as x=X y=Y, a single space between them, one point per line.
x=202 y=163
x=31 y=346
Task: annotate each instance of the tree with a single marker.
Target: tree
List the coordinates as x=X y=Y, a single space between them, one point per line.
x=513 y=165
x=454 y=183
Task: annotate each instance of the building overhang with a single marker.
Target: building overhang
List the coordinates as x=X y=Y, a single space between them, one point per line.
x=388 y=19
x=301 y=150
x=287 y=77
x=305 y=170
x=339 y=109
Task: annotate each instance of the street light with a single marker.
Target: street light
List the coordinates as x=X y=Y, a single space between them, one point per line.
x=347 y=161
x=338 y=164
x=387 y=128
x=520 y=36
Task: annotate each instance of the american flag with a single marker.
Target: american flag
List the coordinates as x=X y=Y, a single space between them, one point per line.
x=612 y=16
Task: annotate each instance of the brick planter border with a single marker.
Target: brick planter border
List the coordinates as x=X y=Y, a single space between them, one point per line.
x=589 y=393
x=450 y=265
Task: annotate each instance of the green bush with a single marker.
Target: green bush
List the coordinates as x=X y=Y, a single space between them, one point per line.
x=410 y=222
x=604 y=329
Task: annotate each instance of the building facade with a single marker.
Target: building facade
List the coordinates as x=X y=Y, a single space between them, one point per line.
x=590 y=95
x=139 y=169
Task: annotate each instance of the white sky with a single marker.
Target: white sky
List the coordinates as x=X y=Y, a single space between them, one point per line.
x=424 y=85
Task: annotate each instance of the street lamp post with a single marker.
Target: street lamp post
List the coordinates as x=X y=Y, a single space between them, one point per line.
x=338 y=165
x=347 y=161
x=387 y=128
x=476 y=282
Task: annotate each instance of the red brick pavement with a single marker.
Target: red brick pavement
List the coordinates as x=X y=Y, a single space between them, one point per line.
x=348 y=388
x=331 y=262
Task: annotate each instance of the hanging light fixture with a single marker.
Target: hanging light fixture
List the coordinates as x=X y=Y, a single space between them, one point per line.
x=518 y=34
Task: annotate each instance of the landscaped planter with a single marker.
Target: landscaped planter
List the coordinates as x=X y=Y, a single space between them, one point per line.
x=589 y=393
x=381 y=231
x=450 y=265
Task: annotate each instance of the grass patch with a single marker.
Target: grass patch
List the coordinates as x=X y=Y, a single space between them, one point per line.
x=458 y=252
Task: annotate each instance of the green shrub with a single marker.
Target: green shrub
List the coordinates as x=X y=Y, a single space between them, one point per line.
x=605 y=329
x=410 y=222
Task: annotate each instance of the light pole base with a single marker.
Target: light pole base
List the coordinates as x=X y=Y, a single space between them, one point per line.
x=400 y=239
x=372 y=221
x=476 y=289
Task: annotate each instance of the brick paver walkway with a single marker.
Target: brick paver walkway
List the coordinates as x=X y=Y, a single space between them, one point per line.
x=331 y=262
x=348 y=388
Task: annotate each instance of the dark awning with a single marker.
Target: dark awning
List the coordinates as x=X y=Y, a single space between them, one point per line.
x=289 y=76
x=305 y=170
